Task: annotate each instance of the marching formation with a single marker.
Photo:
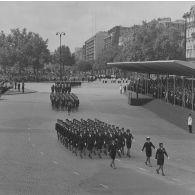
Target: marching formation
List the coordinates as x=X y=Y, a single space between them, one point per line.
x=62 y=99
x=96 y=138
x=93 y=137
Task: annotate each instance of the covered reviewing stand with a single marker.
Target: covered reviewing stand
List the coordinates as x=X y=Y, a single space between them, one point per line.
x=168 y=67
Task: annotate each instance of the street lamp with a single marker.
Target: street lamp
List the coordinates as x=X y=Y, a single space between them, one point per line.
x=60 y=34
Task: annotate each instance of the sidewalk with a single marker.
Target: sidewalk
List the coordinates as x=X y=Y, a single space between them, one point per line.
x=16 y=92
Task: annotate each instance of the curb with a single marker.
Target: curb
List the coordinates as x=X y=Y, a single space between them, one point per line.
x=18 y=93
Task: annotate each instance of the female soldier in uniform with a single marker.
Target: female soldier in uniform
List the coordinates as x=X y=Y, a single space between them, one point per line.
x=69 y=107
x=90 y=144
x=148 y=145
x=160 y=158
x=112 y=152
x=129 y=138
x=99 y=143
x=81 y=144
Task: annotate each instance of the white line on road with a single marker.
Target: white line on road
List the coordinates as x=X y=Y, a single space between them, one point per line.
x=118 y=159
x=42 y=153
x=33 y=145
x=55 y=162
x=29 y=139
x=104 y=186
x=178 y=181
x=175 y=179
x=142 y=169
x=76 y=173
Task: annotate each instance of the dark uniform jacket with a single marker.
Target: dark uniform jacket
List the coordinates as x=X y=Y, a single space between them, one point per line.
x=160 y=156
x=148 y=146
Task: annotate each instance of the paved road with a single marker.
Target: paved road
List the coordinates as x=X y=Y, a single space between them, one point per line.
x=32 y=161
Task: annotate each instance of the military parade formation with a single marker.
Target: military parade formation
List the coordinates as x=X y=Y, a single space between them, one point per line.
x=93 y=137
x=62 y=98
x=97 y=138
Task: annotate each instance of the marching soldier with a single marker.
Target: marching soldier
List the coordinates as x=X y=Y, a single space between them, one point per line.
x=129 y=138
x=148 y=145
x=90 y=145
x=160 y=158
x=112 y=152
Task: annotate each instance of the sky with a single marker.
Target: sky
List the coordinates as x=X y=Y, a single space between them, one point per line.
x=81 y=20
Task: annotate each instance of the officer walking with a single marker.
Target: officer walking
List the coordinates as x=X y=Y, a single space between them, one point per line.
x=148 y=145
x=160 y=158
x=190 y=123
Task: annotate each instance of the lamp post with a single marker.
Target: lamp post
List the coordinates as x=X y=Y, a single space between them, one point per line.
x=60 y=34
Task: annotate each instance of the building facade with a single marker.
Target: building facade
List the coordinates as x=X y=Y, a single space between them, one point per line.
x=94 y=46
x=118 y=36
x=179 y=24
x=190 y=34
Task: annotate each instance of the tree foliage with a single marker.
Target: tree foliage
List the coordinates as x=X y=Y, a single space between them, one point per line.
x=150 y=41
x=67 y=59
x=84 y=66
x=22 y=49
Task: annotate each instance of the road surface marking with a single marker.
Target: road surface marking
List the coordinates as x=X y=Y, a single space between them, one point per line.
x=142 y=169
x=178 y=181
x=118 y=159
x=175 y=179
x=76 y=173
x=29 y=139
x=42 y=153
x=104 y=186
x=55 y=162
x=33 y=145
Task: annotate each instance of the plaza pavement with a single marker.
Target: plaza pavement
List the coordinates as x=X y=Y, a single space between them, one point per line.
x=32 y=161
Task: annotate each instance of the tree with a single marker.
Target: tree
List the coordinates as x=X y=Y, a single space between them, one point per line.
x=22 y=49
x=39 y=52
x=67 y=59
x=153 y=41
x=107 y=55
x=84 y=66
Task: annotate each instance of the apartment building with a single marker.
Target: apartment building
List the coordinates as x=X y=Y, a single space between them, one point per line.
x=190 y=34
x=94 y=46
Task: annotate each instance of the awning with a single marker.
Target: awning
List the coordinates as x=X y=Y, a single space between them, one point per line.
x=168 y=67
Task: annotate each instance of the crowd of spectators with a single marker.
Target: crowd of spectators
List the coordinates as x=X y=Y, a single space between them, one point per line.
x=178 y=94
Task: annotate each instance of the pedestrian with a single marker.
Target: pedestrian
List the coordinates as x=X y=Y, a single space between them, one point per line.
x=190 y=123
x=160 y=158
x=22 y=87
x=52 y=88
x=112 y=152
x=120 y=89
x=148 y=145
x=19 y=86
x=125 y=88
x=15 y=84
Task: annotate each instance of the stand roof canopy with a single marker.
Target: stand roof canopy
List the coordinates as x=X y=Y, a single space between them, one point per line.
x=168 y=67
